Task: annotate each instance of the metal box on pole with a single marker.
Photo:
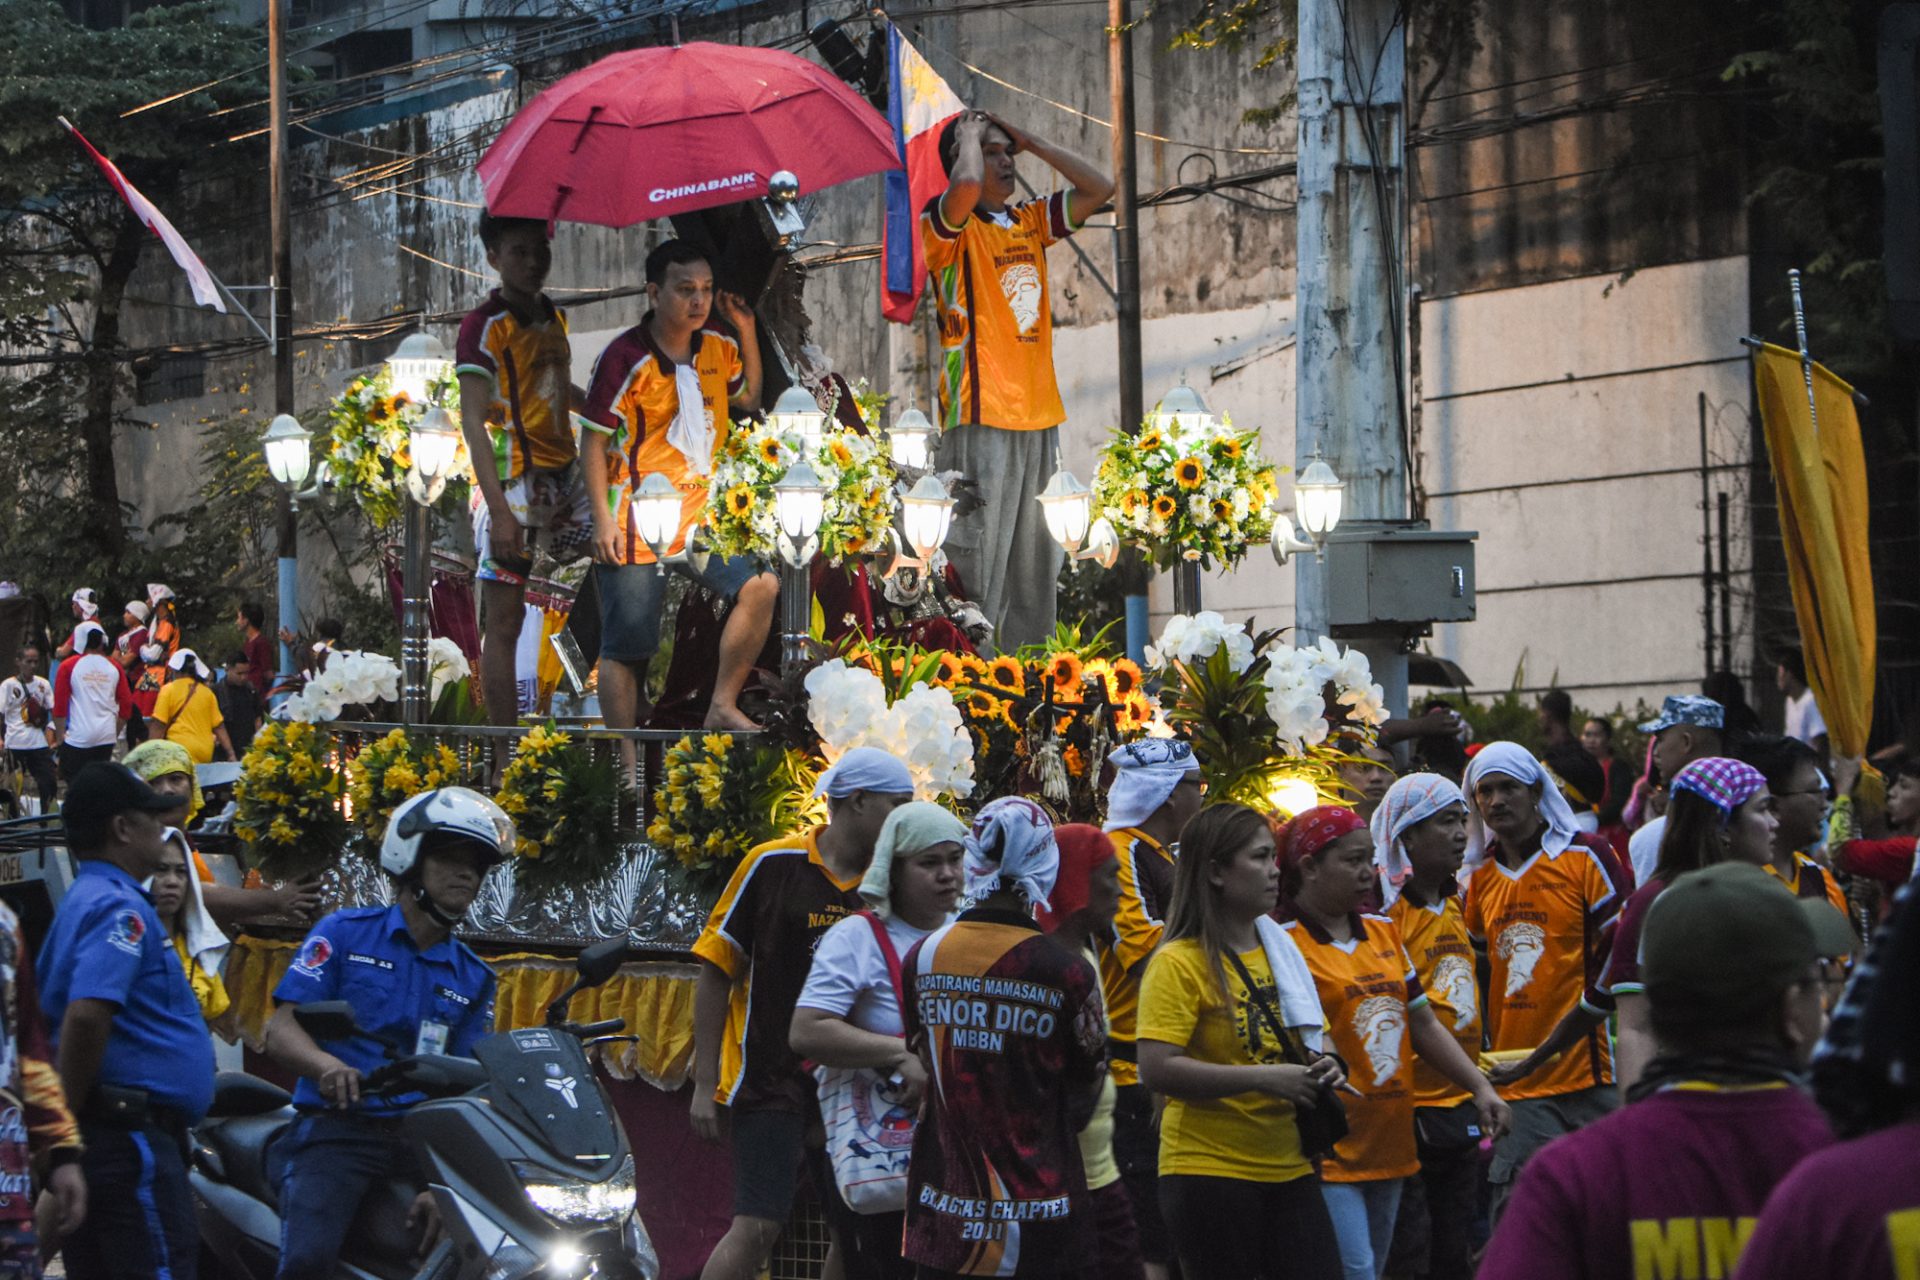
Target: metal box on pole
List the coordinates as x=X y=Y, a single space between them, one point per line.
x=1397 y=578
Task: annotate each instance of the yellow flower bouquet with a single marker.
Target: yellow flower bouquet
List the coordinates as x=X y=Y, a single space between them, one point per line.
x=564 y=804
x=857 y=473
x=717 y=800
x=389 y=771
x=288 y=801
x=366 y=441
x=1186 y=490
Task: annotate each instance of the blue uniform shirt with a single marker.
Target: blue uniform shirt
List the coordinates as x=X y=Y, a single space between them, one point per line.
x=107 y=943
x=435 y=1001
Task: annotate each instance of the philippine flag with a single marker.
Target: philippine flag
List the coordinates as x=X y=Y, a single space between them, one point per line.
x=919 y=104
x=205 y=292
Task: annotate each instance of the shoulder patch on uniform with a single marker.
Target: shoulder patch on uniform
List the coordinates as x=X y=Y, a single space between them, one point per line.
x=127 y=931
x=313 y=956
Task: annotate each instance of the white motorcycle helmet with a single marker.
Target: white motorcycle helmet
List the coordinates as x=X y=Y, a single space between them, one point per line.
x=450 y=811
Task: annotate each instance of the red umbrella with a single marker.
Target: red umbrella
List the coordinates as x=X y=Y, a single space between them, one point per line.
x=652 y=132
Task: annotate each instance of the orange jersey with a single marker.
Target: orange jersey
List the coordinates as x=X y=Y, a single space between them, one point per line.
x=996 y=323
x=1811 y=880
x=531 y=369
x=1548 y=926
x=1146 y=887
x=1367 y=988
x=632 y=399
x=1442 y=953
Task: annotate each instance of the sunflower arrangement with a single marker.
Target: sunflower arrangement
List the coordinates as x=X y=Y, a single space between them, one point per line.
x=388 y=771
x=717 y=800
x=1187 y=492
x=288 y=801
x=366 y=441
x=563 y=803
x=857 y=473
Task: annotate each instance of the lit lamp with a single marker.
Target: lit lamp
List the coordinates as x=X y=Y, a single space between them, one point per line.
x=1183 y=408
x=433 y=442
x=289 y=450
x=1318 y=495
x=1293 y=796
x=1068 y=507
x=796 y=411
x=799 y=504
x=926 y=510
x=417 y=365
x=655 y=511
x=909 y=439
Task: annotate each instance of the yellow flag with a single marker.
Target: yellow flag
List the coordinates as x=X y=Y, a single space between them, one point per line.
x=1820 y=476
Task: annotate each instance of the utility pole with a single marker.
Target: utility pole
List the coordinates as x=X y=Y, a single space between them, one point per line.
x=1351 y=296
x=1126 y=277
x=280 y=280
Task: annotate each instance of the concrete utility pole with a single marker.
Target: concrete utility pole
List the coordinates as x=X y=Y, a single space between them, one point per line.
x=1126 y=270
x=281 y=300
x=1351 y=296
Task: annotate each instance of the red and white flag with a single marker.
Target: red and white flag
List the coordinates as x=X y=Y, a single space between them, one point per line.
x=205 y=292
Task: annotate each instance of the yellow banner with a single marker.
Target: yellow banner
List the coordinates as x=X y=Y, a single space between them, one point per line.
x=1820 y=476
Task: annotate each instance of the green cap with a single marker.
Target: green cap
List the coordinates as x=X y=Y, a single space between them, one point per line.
x=1725 y=941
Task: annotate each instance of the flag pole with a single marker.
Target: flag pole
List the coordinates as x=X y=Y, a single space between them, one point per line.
x=1806 y=358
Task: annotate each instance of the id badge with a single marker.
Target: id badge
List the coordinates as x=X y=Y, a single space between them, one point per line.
x=433 y=1038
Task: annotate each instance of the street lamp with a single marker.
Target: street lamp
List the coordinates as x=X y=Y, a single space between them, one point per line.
x=909 y=440
x=1318 y=495
x=926 y=512
x=417 y=366
x=799 y=505
x=655 y=510
x=289 y=450
x=433 y=442
x=1183 y=408
x=1067 y=505
x=798 y=412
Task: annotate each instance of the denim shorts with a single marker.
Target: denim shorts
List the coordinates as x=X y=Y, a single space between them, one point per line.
x=631 y=596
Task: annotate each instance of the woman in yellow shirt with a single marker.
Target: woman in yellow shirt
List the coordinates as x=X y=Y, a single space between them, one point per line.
x=1241 y=1200
x=175 y=891
x=188 y=712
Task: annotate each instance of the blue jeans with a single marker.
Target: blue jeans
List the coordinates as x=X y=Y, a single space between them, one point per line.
x=140 y=1220
x=1363 y=1214
x=323 y=1164
x=631 y=597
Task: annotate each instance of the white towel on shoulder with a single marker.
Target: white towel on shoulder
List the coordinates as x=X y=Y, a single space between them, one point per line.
x=692 y=429
x=1299 y=998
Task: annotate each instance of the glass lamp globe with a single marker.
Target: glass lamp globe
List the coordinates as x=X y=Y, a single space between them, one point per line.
x=1068 y=507
x=1183 y=408
x=798 y=412
x=1293 y=795
x=434 y=442
x=909 y=439
x=926 y=511
x=417 y=364
x=799 y=501
x=656 y=512
x=1317 y=497
x=289 y=450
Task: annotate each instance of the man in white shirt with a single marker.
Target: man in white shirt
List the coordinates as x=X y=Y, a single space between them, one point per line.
x=26 y=705
x=1688 y=728
x=1804 y=720
x=91 y=702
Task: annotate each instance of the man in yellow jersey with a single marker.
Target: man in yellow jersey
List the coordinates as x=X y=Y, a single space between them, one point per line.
x=755 y=952
x=1420 y=838
x=1799 y=790
x=1155 y=792
x=999 y=401
x=516 y=393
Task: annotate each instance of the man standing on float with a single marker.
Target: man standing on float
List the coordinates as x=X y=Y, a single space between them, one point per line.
x=999 y=402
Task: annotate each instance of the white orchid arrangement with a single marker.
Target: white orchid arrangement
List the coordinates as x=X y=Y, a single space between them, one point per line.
x=446 y=664
x=1194 y=638
x=848 y=708
x=353 y=678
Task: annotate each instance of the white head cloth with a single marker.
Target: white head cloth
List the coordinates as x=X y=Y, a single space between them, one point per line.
x=180 y=659
x=1409 y=801
x=907 y=830
x=1515 y=761
x=205 y=941
x=1144 y=775
x=691 y=431
x=1011 y=845
x=865 y=769
x=81 y=632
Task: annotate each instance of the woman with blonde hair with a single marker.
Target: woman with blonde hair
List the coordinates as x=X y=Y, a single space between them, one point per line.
x=1230 y=1031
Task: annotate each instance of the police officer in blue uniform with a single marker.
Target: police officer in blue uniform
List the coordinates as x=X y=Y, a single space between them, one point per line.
x=132 y=1050
x=414 y=988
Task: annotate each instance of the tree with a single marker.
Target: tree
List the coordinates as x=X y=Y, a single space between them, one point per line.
x=69 y=246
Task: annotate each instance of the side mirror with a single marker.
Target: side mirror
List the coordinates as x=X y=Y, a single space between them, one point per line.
x=327 y=1019
x=601 y=961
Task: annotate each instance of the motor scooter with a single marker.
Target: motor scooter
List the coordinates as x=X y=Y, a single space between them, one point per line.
x=519 y=1145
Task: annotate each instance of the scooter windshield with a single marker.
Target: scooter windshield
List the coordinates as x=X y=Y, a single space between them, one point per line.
x=543 y=1080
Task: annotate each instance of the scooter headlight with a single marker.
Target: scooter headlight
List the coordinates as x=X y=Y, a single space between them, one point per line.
x=580 y=1203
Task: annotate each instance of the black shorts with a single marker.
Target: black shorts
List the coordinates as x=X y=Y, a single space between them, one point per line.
x=1136 y=1149
x=1231 y=1229
x=73 y=759
x=768 y=1148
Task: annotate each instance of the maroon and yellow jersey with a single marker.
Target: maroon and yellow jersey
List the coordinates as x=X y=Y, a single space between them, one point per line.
x=1811 y=880
x=762 y=932
x=995 y=308
x=531 y=369
x=1015 y=1042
